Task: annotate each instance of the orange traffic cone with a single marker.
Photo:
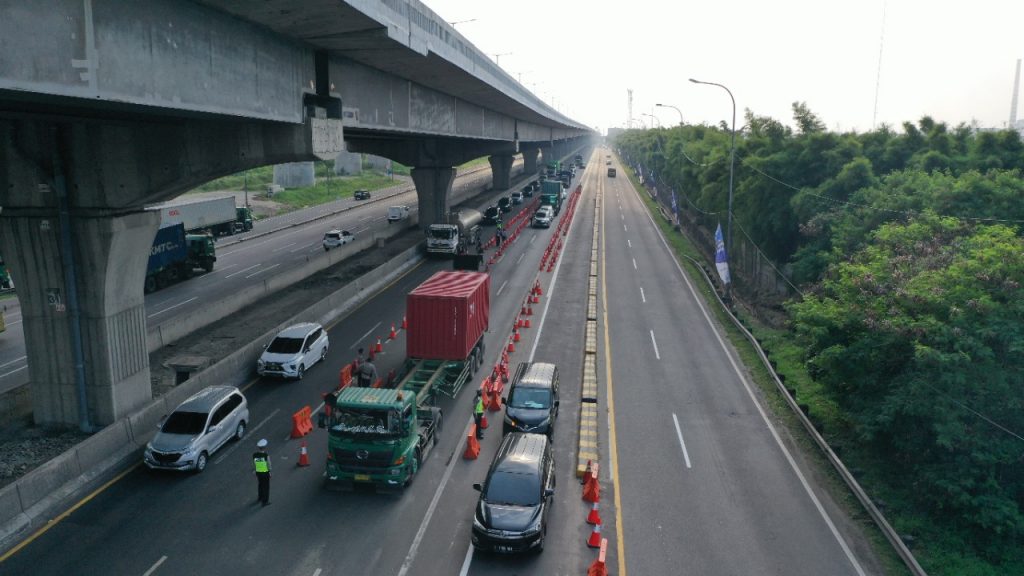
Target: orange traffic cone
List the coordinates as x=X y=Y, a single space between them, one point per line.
x=483 y=421
x=594 y=517
x=536 y=299
x=515 y=335
x=495 y=404
x=522 y=311
x=592 y=489
x=303 y=455
x=595 y=537
x=526 y=323
x=511 y=346
x=472 y=445
x=539 y=289
x=519 y=322
x=393 y=334
x=529 y=308
x=405 y=323
x=379 y=347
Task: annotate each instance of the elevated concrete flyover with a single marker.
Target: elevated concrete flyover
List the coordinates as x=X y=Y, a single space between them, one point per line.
x=108 y=106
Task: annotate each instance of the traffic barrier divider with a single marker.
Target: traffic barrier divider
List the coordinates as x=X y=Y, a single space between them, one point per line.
x=472 y=451
x=302 y=422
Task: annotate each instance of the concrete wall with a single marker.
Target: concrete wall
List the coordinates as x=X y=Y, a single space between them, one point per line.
x=348 y=163
x=294 y=174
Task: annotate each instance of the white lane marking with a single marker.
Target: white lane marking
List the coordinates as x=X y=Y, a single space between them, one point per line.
x=642 y=297
x=299 y=249
x=534 y=237
x=520 y=259
x=262 y=270
x=250 y=431
x=13 y=323
x=467 y=561
x=433 y=502
x=503 y=284
x=771 y=428
x=655 y=342
x=318 y=571
x=363 y=337
x=242 y=271
x=18 y=359
x=624 y=228
x=172 y=307
x=13 y=371
x=283 y=247
x=155 y=566
x=679 y=432
x=628 y=243
x=219 y=270
x=634 y=264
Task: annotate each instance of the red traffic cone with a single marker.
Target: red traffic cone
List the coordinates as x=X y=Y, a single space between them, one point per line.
x=472 y=445
x=515 y=335
x=511 y=347
x=592 y=489
x=526 y=323
x=483 y=421
x=536 y=299
x=495 y=404
x=519 y=322
x=393 y=334
x=303 y=455
x=529 y=309
x=379 y=347
x=539 y=289
x=598 y=568
x=594 y=517
x=522 y=311
x=595 y=537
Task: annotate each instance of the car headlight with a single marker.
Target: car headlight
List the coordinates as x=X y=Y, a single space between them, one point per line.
x=534 y=528
x=259 y=363
x=290 y=366
x=510 y=421
x=477 y=524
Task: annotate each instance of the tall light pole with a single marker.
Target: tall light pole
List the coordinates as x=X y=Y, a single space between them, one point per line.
x=732 y=158
x=497 y=57
x=653 y=117
x=680 y=112
x=462 y=21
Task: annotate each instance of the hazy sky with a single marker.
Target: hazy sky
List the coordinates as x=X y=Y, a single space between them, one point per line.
x=953 y=60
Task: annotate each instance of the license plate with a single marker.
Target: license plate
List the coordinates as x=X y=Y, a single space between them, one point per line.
x=503 y=549
x=362 y=478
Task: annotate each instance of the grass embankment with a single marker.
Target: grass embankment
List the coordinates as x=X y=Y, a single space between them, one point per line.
x=778 y=345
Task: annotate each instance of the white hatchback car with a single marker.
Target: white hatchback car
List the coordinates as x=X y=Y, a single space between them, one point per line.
x=336 y=238
x=293 y=351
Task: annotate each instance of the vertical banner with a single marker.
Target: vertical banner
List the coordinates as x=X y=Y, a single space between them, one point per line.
x=721 y=262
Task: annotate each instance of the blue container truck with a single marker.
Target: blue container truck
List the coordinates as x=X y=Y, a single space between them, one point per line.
x=175 y=256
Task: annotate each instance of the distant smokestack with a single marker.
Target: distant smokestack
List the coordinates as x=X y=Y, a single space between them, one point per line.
x=1013 y=102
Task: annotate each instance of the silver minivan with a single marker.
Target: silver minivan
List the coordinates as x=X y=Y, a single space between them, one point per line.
x=197 y=428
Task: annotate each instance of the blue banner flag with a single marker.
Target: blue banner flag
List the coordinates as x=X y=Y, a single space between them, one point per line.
x=721 y=262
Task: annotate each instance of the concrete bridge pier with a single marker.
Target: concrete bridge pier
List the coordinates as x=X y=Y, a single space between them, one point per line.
x=433 y=190
x=530 y=161
x=501 y=171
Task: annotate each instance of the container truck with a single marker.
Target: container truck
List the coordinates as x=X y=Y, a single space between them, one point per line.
x=551 y=194
x=175 y=256
x=380 y=436
x=219 y=216
x=456 y=235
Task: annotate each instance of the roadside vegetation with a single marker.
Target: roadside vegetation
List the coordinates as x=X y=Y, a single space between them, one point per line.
x=906 y=340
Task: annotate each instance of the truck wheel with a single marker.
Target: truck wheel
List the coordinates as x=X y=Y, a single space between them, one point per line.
x=208 y=266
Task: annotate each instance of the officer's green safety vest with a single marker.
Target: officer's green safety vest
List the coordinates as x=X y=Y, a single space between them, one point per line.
x=261 y=464
x=479 y=406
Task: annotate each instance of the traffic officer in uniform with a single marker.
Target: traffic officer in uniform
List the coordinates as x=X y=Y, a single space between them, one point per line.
x=478 y=414
x=261 y=467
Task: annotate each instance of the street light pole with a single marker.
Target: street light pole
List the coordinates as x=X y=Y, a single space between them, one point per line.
x=732 y=159
x=680 y=112
x=497 y=57
x=653 y=117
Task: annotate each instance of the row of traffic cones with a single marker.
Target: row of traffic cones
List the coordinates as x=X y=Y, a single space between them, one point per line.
x=592 y=494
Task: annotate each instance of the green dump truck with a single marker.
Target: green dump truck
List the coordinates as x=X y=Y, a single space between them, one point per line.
x=381 y=436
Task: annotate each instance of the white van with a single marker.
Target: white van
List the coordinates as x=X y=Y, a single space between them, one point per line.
x=396 y=213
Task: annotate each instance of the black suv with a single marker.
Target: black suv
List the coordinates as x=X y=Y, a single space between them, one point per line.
x=512 y=514
x=492 y=215
x=532 y=402
x=361 y=195
x=505 y=204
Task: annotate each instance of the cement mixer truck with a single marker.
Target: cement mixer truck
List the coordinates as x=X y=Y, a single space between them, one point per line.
x=456 y=235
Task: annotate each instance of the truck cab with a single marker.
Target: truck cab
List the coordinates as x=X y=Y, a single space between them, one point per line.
x=442 y=238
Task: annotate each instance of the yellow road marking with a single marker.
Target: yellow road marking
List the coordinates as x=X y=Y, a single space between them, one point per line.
x=620 y=545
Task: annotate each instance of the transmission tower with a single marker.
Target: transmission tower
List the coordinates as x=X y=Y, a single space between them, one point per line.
x=1013 y=102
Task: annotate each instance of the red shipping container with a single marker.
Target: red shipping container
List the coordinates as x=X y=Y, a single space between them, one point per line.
x=448 y=313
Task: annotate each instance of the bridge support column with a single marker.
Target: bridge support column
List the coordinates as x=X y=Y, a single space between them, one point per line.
x=530 y=161
x=501 y=171
x=433 y=188
x=109 y=270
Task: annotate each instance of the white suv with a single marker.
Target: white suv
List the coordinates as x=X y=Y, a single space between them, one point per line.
x=294 y=350
x=542 y=218
x=335 y=238
x=197 y=428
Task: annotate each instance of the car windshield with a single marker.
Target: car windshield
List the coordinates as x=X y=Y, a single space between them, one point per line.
x=282 y=345
x=332 y=236
x=375 y=423
x=440 y=233
x=512 y=488
x=531 y=398
x=190 y=423
x=491 y=212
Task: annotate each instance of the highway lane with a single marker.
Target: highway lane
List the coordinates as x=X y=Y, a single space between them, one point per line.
x=251 y=257
x=209 y=523
x=706 y=485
